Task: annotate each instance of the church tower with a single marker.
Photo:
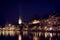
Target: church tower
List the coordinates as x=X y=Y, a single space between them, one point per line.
x=19 y=20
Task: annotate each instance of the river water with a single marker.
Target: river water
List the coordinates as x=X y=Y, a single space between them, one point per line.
x=26 y=35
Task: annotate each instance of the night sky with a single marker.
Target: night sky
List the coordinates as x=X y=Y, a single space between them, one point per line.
x=11 y=10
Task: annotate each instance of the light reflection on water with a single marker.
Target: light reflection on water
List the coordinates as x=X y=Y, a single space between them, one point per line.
x=19 y=37
x=35 y=38
x=11 y=33
x=25 y=35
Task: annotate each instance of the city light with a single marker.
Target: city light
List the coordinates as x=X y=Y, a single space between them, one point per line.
x=9 y=25
x=20 y=20
x=36 y=21
x=36 y=25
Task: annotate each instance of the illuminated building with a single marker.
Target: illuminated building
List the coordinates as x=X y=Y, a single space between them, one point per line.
x=51 y=23
x=20 y=20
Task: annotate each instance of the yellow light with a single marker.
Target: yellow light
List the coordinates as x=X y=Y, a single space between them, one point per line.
x=11 y=33
x=19 y=37
x=25 y=33
x=20 y=20
x=36 y=21
x=46 y=34
x=50 y=34
x=45 y=27
x=35 y=38
x=50 y=28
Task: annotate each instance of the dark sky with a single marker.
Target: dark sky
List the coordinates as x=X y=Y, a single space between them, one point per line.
x=11 y=10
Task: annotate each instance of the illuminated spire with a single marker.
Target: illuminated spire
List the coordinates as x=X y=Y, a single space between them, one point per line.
x=20 y=20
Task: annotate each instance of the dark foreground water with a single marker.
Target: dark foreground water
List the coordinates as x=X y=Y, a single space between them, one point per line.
x=25 y=35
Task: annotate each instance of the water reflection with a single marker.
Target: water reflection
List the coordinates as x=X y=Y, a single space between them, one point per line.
x=35 y=38
x=25 y=35
x=19 y=37
x=46 y=34
x=10 y=33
